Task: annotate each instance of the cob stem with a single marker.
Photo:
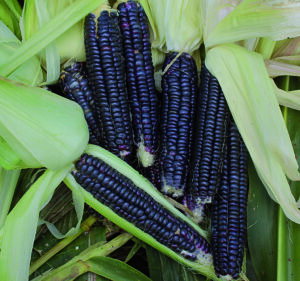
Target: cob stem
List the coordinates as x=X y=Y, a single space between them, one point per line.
x=85 y=226
x=282 y=265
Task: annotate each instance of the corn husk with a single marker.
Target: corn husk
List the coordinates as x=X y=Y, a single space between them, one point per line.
x=39 y=128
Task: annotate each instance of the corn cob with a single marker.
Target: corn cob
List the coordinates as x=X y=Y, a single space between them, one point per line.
x=105 y=64
x=74 y=83
x=229 y=209
x=132 y=203
x=208 y=146
x=152 y=174
x=140 y=80
x=179 y=87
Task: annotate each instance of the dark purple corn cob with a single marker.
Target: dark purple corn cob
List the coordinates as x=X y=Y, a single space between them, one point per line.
x=179 y=88
x=229 y=208
x=132 y=203
x=105 y=64
x=74 y=83
x=140 y=79
x=152 y=174
x=209 y=142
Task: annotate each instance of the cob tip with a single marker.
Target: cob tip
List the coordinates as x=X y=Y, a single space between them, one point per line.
x=171 y=190
x=144 y=156
x=103 y=7
x=226 y=277
x=196 y=211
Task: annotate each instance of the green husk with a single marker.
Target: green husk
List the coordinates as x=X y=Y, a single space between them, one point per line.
x=276 y=68
x=289 y=99
x=275 y=20
x=30 y=72
x=175 y=25
x=49 y=32
x=8 y=182
x=182 y=29
x=10 y=12
x=252 y=101
x=213 y=12
x=40 y=128
x=68 y=46
x=288 y=47
x=155 y=13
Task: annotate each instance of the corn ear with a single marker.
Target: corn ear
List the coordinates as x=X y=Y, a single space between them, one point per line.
x=40 y=128
x=252 y=101
x=120 y=166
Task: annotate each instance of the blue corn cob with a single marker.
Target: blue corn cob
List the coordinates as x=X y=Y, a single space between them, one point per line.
x=130 y=202
x=209 y=142
x=152 y=174
x=229 y=208
x=105 y=63
x=140 y=80
x=74 y=83
x=179 y=87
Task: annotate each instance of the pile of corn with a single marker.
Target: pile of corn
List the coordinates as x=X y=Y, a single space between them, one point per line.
x=159 y=104
x=183 y=139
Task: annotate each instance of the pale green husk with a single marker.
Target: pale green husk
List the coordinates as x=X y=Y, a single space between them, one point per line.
x=8 y=17
x=49 y=32
x=8 y=182
x=275 y=20
x=176 y=24
x=276 y=68
x=155 y=13
x=29 y=72
x=41 y=128
x=289 y=99
x=252 y=101
x=68 y=46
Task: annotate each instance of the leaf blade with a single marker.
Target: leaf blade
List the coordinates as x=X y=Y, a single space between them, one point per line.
x=20 y=226
x=115 y=270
